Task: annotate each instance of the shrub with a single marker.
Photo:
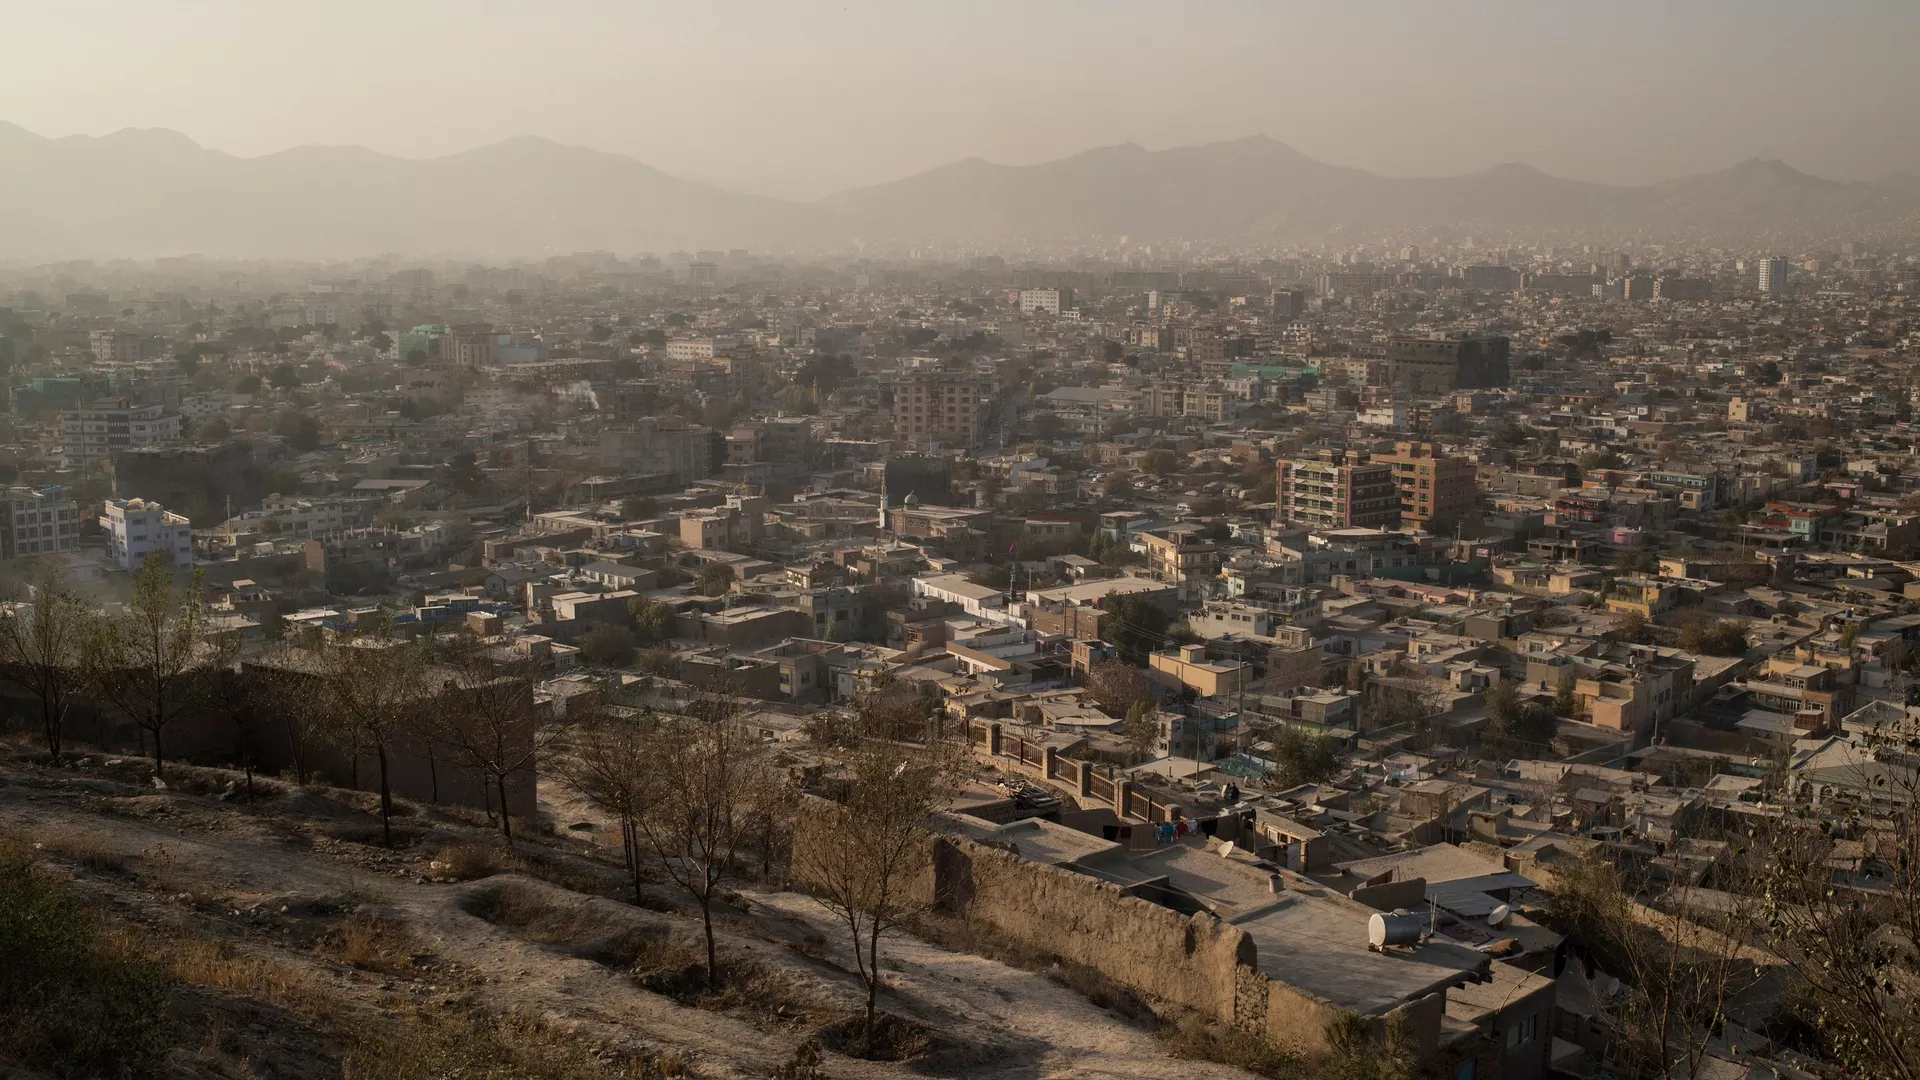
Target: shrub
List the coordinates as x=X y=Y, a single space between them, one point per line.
x=74 y=1000
x=372 y=943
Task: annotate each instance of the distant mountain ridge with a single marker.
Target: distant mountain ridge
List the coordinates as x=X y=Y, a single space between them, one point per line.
x=145 y=192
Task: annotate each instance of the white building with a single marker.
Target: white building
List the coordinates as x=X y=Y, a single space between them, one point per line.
x=97 y=430
x=690 y=349
x=1773 y=274
x=41 y=522
x=1051 y=301
x=296 y=517
x=980 y=601
x=136 y=528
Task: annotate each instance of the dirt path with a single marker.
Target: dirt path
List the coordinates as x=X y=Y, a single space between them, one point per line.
x=244 y=873
x=1073 y=1037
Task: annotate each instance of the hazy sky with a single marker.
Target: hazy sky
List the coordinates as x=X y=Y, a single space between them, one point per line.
x=798 y=99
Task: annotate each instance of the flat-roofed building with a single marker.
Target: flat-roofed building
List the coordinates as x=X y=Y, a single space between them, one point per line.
x=1433 y=486
x=1338 y=489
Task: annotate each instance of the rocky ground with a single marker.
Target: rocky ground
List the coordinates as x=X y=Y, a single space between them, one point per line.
x=302 y=946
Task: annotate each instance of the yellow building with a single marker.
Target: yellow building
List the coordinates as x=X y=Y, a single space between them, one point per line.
x=1187 y=667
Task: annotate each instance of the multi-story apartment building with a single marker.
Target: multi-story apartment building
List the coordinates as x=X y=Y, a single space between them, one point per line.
x=1051 y=301
x=941 y=406
x=118 y=346
x=1211 y=402
x=1448 y=362
x=1772 y=274
x=94 y=431
x=742 y=521
x=1179 y=555
x=38 y=522
x=653 y=446
x=1338 y=489
x=1341 y=284
x=136 y=528
x=685 y=349
x=291 y=516
x=1432 y=485
x=423 y=339
x=471 y=345
x=784 y=440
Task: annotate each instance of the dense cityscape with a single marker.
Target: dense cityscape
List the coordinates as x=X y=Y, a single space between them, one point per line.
x=1004 y=541
x=1503 y=656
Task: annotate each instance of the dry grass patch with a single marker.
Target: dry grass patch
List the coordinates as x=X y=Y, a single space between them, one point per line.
x=217 y=965
x=575 y=873
x=76 y=998
x=1198 y=1038
x=422 y=1044
x=84 y=848
x=372 y=942
x=471 y=862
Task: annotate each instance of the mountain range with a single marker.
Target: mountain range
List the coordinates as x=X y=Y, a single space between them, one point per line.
x=148 y=192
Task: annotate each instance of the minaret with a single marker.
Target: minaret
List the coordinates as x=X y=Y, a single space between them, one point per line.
x=883 y=511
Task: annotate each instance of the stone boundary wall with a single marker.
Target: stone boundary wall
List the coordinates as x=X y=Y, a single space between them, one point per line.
x=1196 y=961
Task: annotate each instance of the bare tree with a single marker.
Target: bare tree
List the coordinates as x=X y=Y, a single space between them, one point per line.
x=1683 y=959
x=861 y=857
x=607 y=760
x=40 y=646
x=285 y=687
x=373 y=688
x=488 y=720
x=1846 y=923
x=714 y=781
x=152 y=662
x=1116 y=686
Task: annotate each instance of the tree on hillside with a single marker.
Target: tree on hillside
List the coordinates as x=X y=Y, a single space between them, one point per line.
x=862 y=862
x=373 y=687
x=486 y=719
x=717 y=783
x=606 y=759
x=152 y=662
x=40 y=648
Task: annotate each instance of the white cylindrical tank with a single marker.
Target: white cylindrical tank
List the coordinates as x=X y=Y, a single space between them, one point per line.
x=1396 y=929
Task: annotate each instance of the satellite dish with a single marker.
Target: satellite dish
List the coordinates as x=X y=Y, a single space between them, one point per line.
x=1500 y=916
x=1226 y=849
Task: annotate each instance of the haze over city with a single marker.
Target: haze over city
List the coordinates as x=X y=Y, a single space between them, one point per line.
x=802 y=100
x=980 y=540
